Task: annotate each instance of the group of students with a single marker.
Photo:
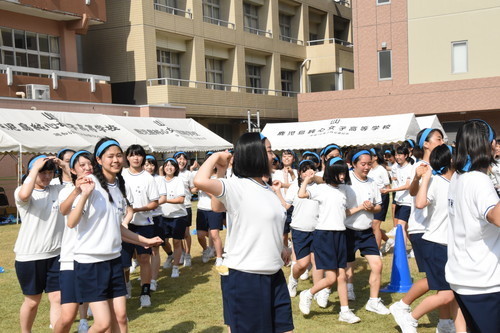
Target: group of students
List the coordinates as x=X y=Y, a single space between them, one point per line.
x=333 y=204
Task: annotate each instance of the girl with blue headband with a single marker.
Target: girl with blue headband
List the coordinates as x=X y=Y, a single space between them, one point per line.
x=38 y=243
x=473 y=267
x=63 y=177
x=330 y=151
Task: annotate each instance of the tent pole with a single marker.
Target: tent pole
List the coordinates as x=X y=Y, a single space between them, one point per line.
x=19 y=170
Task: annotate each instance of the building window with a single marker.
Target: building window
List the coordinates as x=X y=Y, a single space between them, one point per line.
x=385 y=65
x=167 y=6
x=214 y=73
x=29 y=49
x=251 y=18
x=459 y=61
x=169 y=66
x=285 y=27
x=211 y=11
x=254 y=79
x=383 y=2
x=286 y=82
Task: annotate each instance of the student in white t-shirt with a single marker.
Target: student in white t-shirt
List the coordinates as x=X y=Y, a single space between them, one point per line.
x=254 y=285
x=359 y=233
x=473 y=268
x=38 y=243
x=390 y=166
x=330 y=151
x=63 y=177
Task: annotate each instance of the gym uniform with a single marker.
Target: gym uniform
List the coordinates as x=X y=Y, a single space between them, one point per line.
x=381 y=178
x=402 y=198
x=206 y=219
x=188 y=181
x=280 y=175
x=156 y=213
x=174 y=216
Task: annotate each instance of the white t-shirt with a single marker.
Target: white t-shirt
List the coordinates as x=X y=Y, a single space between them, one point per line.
x=332 y=205
x=143 y=190
x=280 y=175
x=99 y=235
x=358 y=192
x=175 y=188
x=162 y=190
x=42 y=229
x=69 y=237
x=403 y=174
x=417 y=223
x=188 y=181
x=380 y=175
x=495 y=175
x=473 y=266
x=437 y=211
x=255 y=233
x=305 y=211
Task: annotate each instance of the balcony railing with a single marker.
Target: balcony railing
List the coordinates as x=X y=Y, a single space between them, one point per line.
x=218 y=22
x=291 y=40
x=53 y=74
x=258 y=32
x=173 y=10
x=343 y=2
x=329 y=41
x=220 y=86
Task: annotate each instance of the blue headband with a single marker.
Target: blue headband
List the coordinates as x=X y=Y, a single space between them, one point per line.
x=438 y=172
x=208 y=153
x=468 y=164
x=179 y=153
x=359 y=153
x=305 y=161
x=262 y=137
x=105 y=145
x=491 y=135
x=170 y=159
x=410 y=142
x=30 y=165
x=335 y=160
x=388 y=152
x=311 y=153
x=424 y=136
x=450 y=148
x=150 y=157
x=61 y=152
x=327 y=148
x=75 y=155
x=372 y=150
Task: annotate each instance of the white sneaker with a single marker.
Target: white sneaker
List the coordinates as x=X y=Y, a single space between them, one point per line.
x=321 y=297
x=351 y=296
x=377 y=306
x=304 y=276
x=128 y=285
x=134 y=266
x=168 y=261
x=391 y=233
x=145 y=301
x=292 y=286
x=153 y=285
x=445 y=326
x=408 y=324
x=181 y=262
x=411 y=254
x=211 y=252
x=218 y=262
x=388 y=245
x=205 y=256
x=348 y=317
x=305 y=302
x=187 y=260
x=175 y=272
x=83 y=327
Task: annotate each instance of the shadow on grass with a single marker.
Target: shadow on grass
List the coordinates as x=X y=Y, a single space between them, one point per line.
x=189 y=326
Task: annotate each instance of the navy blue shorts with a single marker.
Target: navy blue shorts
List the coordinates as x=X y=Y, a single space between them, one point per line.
x=208 y=220
x=302 y=243
x=288 y=221
x=257 y=302
x=174 y=227
x=330 y=250
x=225 y=302
x=99 y=281
x=420 y=250
x=380 y=216
x=128 y=249
x=67 y=280
x=435 y=258
x=481 y=312
x=158 y=229
x=402 y=213
x=189 y=218
x=362 y=240
x=37 y=276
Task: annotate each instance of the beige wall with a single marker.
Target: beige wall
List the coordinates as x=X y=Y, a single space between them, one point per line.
x=433 y=25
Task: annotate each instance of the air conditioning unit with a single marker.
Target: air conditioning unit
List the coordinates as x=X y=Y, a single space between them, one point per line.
x=37 y=91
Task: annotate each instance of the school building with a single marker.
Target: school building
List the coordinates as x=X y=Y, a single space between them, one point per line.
x=419 y=56
x=221 y=59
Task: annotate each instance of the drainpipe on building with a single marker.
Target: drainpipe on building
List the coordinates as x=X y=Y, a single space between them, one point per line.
x=302 y=65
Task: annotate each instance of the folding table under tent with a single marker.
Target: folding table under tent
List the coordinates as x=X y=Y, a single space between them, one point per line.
x=342 y=131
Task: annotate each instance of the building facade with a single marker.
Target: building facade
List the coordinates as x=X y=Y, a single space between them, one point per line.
x=423 y=57
x=223 y=58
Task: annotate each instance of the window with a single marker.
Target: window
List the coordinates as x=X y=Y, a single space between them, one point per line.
x=251 y=18
x=285 y=27
x=214 y=73
x=385 y=65
x=383 y=2
x=211 y=11
x=254 y=79
x=459 y=61
x=29 y=49
x=168 y=6
x=169 y=66
x=286 y=82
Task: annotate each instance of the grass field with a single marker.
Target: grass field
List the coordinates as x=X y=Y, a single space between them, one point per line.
x=193 y=303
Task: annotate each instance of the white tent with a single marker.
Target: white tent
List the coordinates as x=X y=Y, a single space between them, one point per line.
x=431 y=122
x=342 y=131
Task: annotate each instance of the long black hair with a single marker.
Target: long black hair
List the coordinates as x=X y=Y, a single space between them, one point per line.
x=250 y=156
x=473 y=149
x=98 y=152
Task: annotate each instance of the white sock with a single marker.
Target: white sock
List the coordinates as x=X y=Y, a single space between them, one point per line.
x=344 y=308
x=350 y=286
x=374 y=299
x=83 y=320
x=293 y=279
x=404 y=304
x=410 y=318
x=308 y=293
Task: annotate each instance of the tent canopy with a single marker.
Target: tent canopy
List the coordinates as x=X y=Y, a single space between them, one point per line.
x=342 y=131
x=431 y=122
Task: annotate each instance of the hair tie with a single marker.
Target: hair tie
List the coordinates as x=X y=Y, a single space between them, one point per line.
x=150 y=157
x=359 y=153
x=179 y=153
x=30 y=165
x=74 y=157
x=468 y=164
x=105 y=145
x=424 y=136
x=334 y=160
x=170 y=159
x=438 y=172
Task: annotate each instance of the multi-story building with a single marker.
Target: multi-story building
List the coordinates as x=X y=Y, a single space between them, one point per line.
x=422 y=57
x=223 y=58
